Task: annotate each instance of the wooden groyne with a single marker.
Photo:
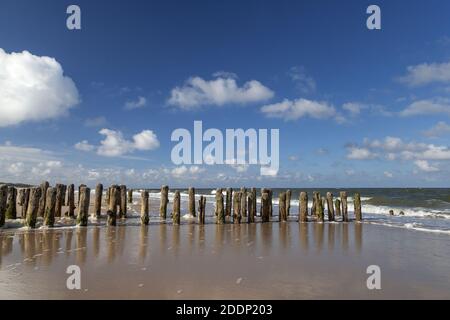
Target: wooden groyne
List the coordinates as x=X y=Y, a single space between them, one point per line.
x=231 y=206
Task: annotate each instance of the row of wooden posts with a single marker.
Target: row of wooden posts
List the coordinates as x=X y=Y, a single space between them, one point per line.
x=47 y=202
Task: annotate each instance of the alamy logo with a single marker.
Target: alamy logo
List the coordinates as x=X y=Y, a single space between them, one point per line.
x=374 y=280
x=73 y=22
x=74 y=280
x=249 y=147
x=374 y=20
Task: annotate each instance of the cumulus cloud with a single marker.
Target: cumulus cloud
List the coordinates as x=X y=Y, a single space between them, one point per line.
x=423 y=165
x=296 y=109
x=33 y=88
x=84 y=146
x=114 y=144
x=426 y=73
x=441 y=128
x=183 y=170
x=427 y=107
x=388 y=174
x=222 y=90
x=353 y=108
x=357 y=153
x=140 y=102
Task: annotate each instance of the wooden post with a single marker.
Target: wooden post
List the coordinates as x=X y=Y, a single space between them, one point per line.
x=33 y=207
x=3 y=203
x=265 y=203
x=26 y=200
x=70 y=200
x=229 y=200
x=83 y=208
x=59 y=199
x=330 y=206
x=114 y=196
x=282 y=208
x=164 y=202
x=270 y=202
x=107 y=196
x=191 y=203
x=313 y=207
x=357 y=206
x=319 y=207
x=243 y=202
x=237 y=207
x=123 y=202
x=337 y=207
x=145 y=218
x=251 y=206
x=201 y=210
x=20 y=199
x=220 y=214
x=98 y=201
x=288 y=202
x=130 y=195
x=11 y=212
x=176 y=208
x=44 y=186
x=391 y=212
x=49 y=212
x=303 y=207
x=79 y=192
x=343 y=195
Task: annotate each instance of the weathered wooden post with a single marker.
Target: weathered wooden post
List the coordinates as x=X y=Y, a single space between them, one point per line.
x=123 y=202
x=20 y=199
x=59 y=199
x=107 y=196
x=254 y=199
x=11 y=212
x=337 y=207
x=282 y=208
x=330 y=206
x=391 y=212
x=176 y=208
x=164 y=202
x=357 y=206
x=191 y=203
x=49 y=212
x=220 y=214
x=98 y=200
x=114 y=196
x=313 y=206
x=229 y=199
x=243 y=202
x=71 y=200
x=83 y=208
x=130 y=195
x=237 y=207
x=145 y=219
x=44 y=186
x=343 y=195
x=303 y=207
x=33 y=207
x=265 y=203
x=270 y=202
x=26 y=200
x=319 y=207
x=288 y=202
x=79 y=192
x=201 y=210
x=3 y=203
x=251 y=208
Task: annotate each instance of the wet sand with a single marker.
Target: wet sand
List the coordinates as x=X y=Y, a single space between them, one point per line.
x=248 y=261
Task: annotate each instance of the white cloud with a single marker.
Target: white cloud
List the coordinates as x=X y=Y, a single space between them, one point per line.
x=353 y=108
x=304 y=83
x=425 y=166
x=33 y=88
x=183 y=170
x=84 y=146
x=426 y=73
x=388 y=174
x=146 y=140
x=427 y=107
x=114 y=144
x=441 y=128
x=296 y=109
x=357 y=153
x=197 y=92
x=140 y=102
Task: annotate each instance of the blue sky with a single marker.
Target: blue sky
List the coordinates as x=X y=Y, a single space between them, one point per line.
x=355 y=107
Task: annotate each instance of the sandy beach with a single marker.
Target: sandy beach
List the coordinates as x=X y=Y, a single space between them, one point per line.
x=248 y=261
